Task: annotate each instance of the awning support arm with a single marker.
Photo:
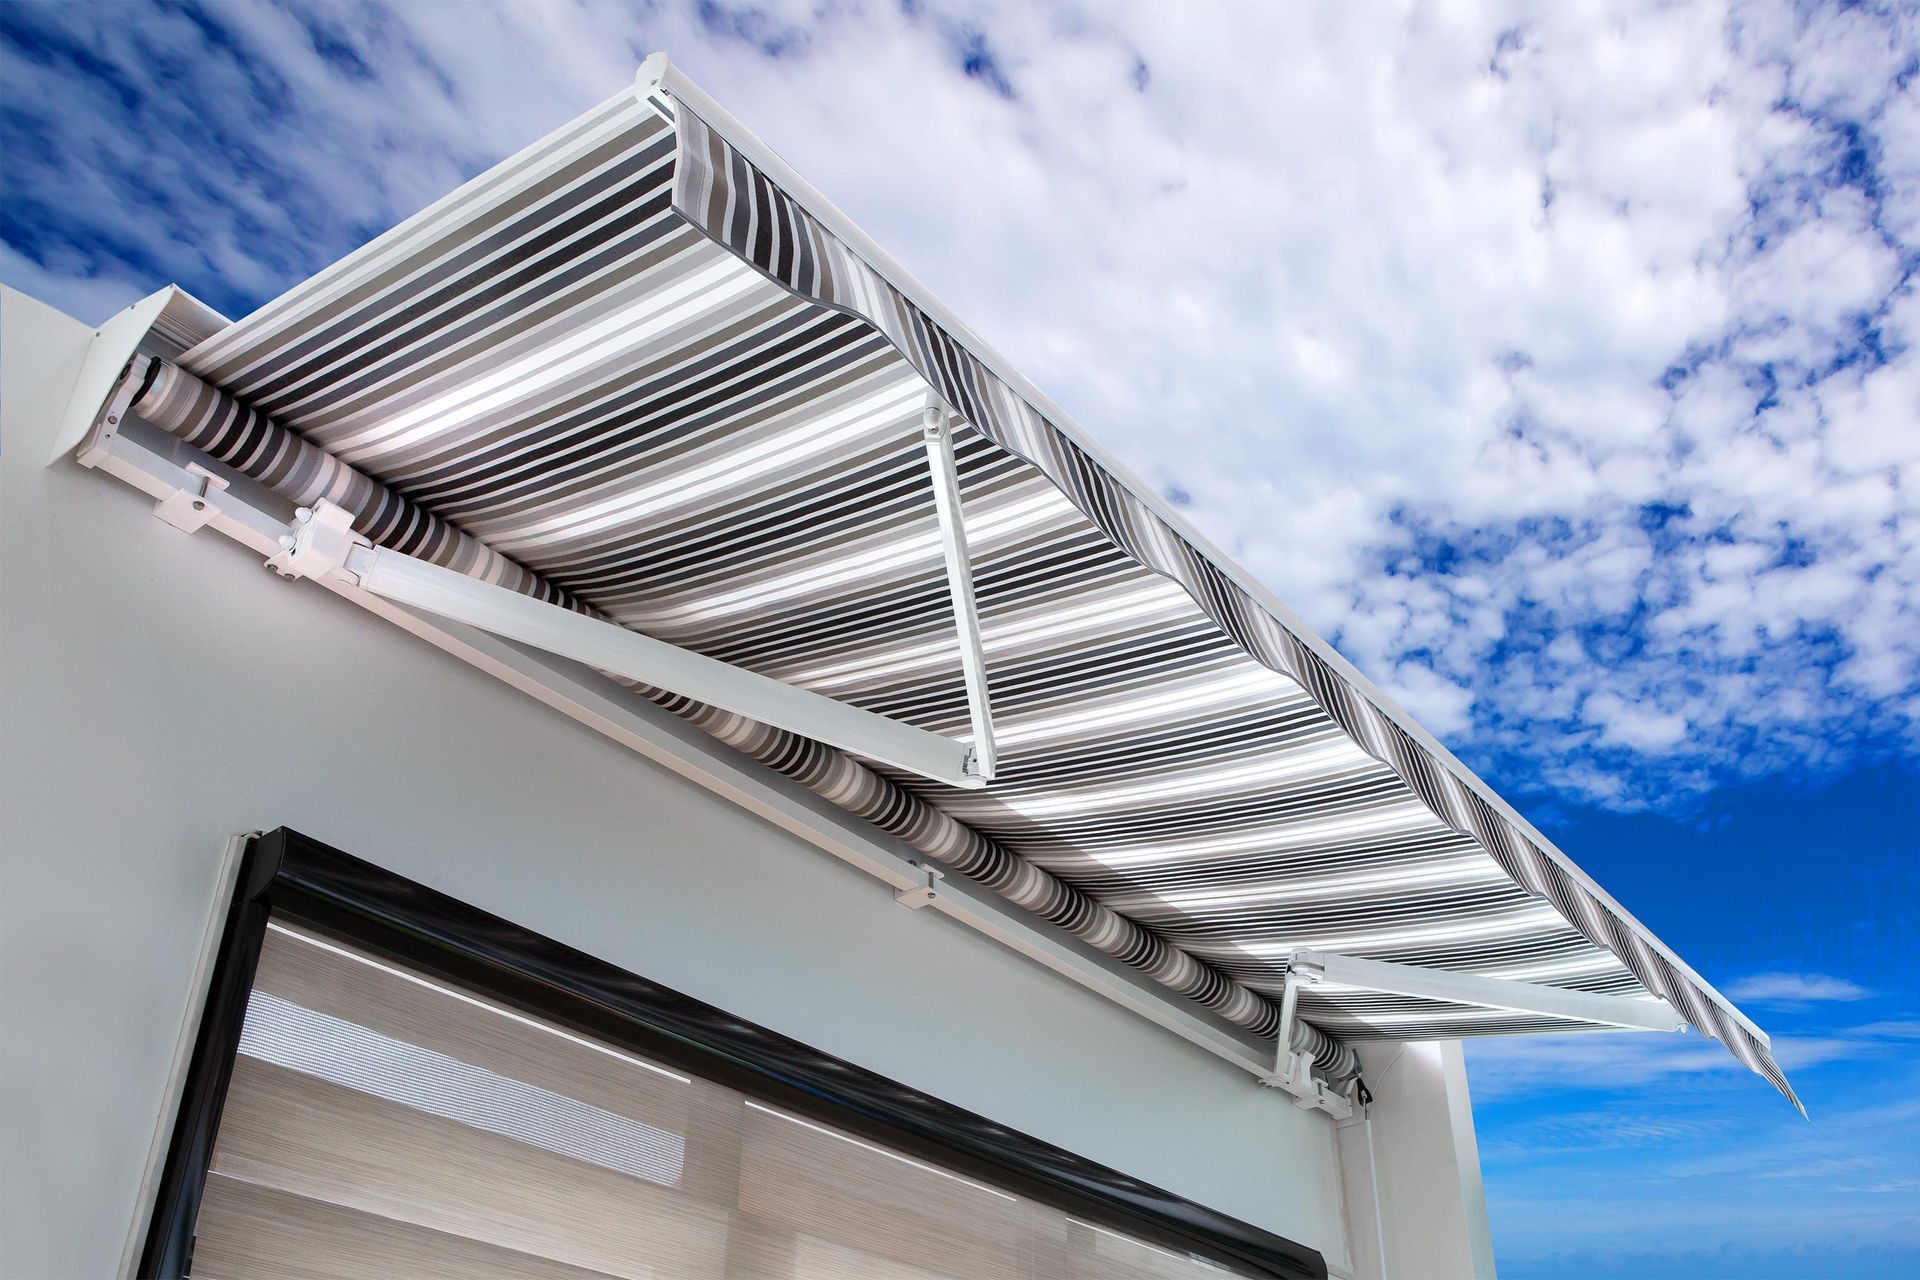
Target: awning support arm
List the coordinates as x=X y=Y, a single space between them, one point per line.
x=1476 y=989
x=257 y=522
x=323 y=544
x=938 y=434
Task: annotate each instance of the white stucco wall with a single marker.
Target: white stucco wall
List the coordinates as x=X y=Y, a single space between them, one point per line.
x=160 y=691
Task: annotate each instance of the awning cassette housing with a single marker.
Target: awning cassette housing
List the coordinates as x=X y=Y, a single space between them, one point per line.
x=642 y=372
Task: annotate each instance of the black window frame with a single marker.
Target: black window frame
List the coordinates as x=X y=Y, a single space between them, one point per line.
x=290 y=877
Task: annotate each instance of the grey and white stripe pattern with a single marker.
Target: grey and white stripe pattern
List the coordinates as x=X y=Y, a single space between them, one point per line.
x=720 y=190
x=226 y=430
x=625 y=371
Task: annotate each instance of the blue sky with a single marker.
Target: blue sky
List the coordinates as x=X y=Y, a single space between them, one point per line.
x=1649 y=1156
x=1558 y=361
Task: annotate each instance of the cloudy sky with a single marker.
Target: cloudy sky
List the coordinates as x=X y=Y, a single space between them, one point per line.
x=1557 y=361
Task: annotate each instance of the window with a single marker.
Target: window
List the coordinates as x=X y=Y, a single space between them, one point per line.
x=385 y=1098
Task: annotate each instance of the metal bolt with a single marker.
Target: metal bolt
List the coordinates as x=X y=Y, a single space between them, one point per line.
x=113 y=419
x=199 y=505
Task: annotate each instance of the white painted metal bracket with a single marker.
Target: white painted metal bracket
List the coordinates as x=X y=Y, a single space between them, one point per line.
x=323 y=545
x=189 y=510
x=923 y=892
x=1489 y=993
x=320 y=543
x=105 y=387
x=1293 y=1072
x=938 y=433
x=111 y=411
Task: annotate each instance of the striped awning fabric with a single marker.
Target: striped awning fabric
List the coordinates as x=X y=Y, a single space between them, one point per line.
x=629 y=371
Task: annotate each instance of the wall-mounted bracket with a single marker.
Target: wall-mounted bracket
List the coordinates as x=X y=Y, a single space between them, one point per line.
x=189 y=510
x=105 y=425
x=922 y=894
x=1293 y=1071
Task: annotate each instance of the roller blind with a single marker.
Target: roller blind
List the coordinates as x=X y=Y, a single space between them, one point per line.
x=380 y=1124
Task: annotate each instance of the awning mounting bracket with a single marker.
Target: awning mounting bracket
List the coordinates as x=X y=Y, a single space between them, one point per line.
x=921 y=894
x=189 y=510
x=1292 y=1070
x=119 y=402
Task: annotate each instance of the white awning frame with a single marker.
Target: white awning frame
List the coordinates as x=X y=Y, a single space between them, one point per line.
x=355 y=568
x=258 y=521
x=321 y=544
x=658 y=75
x=490 y=627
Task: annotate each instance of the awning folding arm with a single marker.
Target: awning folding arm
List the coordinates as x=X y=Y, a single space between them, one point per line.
x=1293 y=1071
x=257 y=520
x=323 y=544
x=1475 y=989
x=938 y=433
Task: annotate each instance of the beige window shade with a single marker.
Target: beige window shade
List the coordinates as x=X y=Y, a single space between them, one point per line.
x=379 y=1124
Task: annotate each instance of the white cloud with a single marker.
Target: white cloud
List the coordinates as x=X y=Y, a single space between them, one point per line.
x=69 y=284
x=1893 y=1029
x=1504 y=1068
x=1672 y=1163
x=1557 y=360
x=1795 y=988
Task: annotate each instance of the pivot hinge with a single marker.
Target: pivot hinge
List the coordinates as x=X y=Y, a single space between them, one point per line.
x=1293 y=1071
x=321 y=540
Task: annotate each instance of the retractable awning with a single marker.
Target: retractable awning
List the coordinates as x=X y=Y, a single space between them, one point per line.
x=641 y=370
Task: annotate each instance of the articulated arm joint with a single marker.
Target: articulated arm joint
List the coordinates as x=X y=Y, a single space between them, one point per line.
x=321 y=541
